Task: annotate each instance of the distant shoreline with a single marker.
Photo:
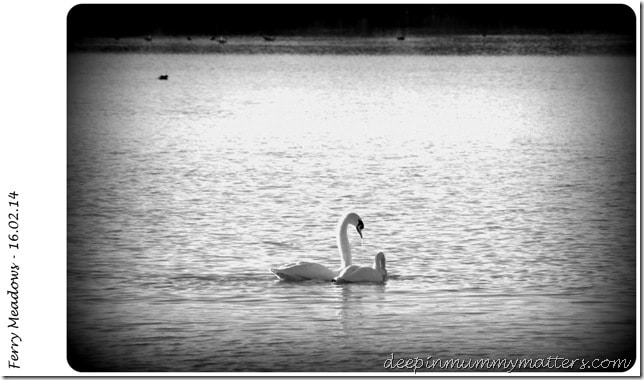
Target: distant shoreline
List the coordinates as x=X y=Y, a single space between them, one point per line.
x=465 y=44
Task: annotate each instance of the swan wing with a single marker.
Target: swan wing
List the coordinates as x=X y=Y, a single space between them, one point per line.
x=348 y=271
x=354 y=273
x=303 y=271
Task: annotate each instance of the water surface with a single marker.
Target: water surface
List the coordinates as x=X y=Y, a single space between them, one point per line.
x=501 y=189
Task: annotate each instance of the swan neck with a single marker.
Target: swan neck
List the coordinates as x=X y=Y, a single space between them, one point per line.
x=379 y=263
x=343 y=244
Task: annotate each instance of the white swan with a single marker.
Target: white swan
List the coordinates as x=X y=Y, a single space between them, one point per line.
x=356 y=273
x=313 y=271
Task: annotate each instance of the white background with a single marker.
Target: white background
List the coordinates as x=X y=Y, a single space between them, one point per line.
x=33 y=108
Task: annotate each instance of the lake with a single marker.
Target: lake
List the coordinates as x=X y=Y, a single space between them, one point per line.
x=501 y=188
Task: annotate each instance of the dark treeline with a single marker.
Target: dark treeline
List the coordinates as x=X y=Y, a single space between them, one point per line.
x=124 y=20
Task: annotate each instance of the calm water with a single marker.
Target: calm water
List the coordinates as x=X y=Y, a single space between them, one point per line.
x=501 y=189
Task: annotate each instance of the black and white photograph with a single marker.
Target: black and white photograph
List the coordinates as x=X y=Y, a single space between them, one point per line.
x=333 y=189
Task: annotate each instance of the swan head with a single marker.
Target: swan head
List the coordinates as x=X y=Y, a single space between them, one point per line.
x=360 y=227
x=380 y=265
x=353 y=219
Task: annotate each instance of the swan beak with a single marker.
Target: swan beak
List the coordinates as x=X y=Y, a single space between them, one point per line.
x=360 y=227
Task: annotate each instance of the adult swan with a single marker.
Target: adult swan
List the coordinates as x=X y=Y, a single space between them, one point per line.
x=356 y=273
x=313 y=271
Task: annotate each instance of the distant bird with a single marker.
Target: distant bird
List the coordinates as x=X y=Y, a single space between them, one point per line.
x=148 y=38
x=269 y=38
x=189 y=38
x=221 y=39
x=401 y=38
x=163 y=77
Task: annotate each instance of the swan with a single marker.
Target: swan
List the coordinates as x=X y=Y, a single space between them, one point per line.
x=313 y=271
x=356 y=273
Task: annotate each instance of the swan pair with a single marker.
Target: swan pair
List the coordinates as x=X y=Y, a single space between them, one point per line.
x=347 y=273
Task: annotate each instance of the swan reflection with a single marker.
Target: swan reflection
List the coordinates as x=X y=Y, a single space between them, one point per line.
x=357 y=304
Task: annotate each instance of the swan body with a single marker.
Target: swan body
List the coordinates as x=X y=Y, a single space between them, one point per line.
x=356 y=273
x=302 y=271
